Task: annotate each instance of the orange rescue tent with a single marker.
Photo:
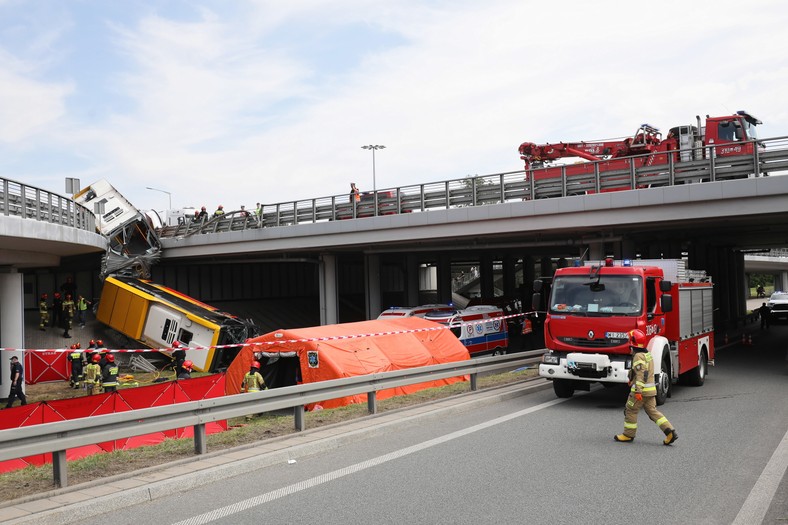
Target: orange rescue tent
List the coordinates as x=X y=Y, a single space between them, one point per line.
x=321 y=353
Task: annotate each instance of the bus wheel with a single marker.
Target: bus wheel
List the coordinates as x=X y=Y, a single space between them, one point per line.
x=563 y=388
x=499 y=351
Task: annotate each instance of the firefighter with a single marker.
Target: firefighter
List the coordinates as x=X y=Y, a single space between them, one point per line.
x=43 y=312
x=219 y=211
x=253 y=381
x=186 y=370
x=109 y=374
x=75 y=358
x=643 y=393
x=93 y=375
x=57 y=311
x=68 y=315
x=179 y=355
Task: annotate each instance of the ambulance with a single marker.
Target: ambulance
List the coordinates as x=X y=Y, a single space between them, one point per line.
x=481 y=328
x=396 y=312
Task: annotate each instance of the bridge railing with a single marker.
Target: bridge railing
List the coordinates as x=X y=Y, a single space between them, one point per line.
x=29 y=202
x=538 y=183
x=62 y=435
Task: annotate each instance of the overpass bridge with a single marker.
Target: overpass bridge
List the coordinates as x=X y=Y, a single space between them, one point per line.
x=404 y=245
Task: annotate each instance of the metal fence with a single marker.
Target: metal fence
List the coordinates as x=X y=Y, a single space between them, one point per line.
x=29 y=202
x=60 y=436
x=514 y=186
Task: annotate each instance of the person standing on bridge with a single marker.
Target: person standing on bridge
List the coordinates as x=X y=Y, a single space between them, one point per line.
x=219 y=211
x=643 y=393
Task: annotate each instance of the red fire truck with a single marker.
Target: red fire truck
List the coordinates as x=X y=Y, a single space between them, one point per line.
x=727 y=136
x=593 y=307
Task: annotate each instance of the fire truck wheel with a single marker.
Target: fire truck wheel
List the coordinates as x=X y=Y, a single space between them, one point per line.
x=563 y=388
x=697 y=376
x=665 y=381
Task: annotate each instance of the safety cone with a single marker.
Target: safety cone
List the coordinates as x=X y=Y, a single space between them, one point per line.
x=744 y=339
x=749 y=340
x=726 y=338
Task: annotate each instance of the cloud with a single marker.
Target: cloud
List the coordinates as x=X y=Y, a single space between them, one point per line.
x=271 y=101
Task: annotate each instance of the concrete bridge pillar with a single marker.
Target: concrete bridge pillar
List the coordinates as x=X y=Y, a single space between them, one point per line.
x=12 y=325
x=372 y=276
x=411 y=280
x=329 y=296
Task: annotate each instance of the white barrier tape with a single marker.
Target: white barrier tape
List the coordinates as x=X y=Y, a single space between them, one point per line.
x=263 y=343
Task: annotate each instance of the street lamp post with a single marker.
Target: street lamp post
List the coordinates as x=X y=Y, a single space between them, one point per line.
x=373 y=148
x=169 y=195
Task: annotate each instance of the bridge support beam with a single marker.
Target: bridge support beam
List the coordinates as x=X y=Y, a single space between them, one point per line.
x=444 y=279
x=412 y=280
x=12 y=325
x=486 y=276
x=372 y=277
x=329 y=296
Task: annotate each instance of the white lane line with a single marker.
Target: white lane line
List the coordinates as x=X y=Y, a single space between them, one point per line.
x=240 y=506
x=757 y=503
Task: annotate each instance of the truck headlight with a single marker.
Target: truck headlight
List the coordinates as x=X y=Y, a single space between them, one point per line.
x=550 y=359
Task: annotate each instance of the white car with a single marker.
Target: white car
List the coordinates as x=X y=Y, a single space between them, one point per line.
x=778 y=304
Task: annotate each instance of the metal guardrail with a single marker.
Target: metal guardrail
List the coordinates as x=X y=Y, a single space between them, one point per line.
x=29 y=202
x=60 y=436
x=501 y=188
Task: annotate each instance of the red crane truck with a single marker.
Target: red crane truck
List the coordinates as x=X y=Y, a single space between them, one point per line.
x=727 y=136
x=593 y=307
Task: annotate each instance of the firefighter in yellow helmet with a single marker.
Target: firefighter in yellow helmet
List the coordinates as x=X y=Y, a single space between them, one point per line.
x=643 y=393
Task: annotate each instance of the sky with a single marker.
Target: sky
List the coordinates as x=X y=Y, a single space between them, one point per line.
x=245 y=101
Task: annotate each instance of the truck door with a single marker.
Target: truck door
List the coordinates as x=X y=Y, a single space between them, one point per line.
x=730 y=136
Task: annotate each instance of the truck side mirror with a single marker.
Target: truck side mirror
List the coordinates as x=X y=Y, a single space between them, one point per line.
x=666 y=303
x=665 y=286
x=536 y=301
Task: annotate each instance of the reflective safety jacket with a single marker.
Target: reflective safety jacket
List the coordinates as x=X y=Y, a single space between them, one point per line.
x=253 y=382
x=68 y=308
x=92 y=373
x=109 y=376
x=641 y=375
x=76 y=359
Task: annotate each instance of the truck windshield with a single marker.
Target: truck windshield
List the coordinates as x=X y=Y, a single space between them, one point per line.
x=750 y=130
x=611 y=295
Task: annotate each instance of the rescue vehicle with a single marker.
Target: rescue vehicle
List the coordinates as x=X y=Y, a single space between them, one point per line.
x=481 y=328
x=414 y=311
x=592 y=308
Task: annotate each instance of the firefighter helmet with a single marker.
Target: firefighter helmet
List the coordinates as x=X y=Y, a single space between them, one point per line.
x=176 y=344
x=256 y=364
x=637 y=339
x=187 y=365
x=78 y=346
x=44 y=296
x=110 y=358
x=96 y=358
x=100 y=343
x=72 y=347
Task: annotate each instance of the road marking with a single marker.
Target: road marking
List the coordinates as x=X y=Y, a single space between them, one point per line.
x=262 y=499
x=757 y=503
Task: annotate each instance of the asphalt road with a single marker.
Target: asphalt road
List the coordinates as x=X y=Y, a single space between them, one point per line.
x=536 y=459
